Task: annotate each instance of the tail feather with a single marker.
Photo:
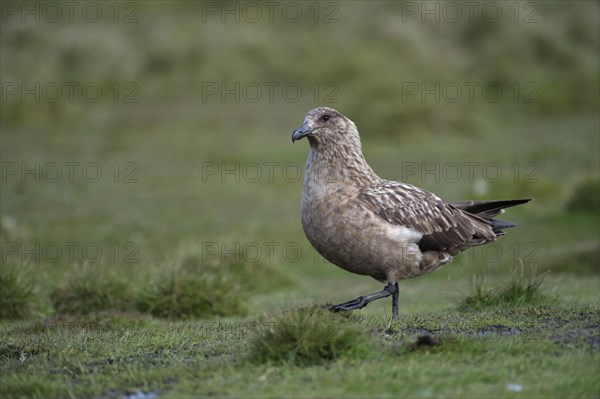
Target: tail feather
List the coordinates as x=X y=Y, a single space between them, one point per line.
x=499 y=225
x=488 y=210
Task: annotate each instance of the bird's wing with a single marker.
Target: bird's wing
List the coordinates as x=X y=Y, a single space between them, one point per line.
x=444 y=227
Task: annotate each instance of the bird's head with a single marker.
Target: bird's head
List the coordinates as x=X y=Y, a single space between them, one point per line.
x=326 y=125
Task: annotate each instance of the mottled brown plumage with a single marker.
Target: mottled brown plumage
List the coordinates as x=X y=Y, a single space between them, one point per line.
x=370 y=226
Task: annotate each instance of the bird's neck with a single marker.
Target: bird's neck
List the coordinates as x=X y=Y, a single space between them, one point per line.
x=339 y=164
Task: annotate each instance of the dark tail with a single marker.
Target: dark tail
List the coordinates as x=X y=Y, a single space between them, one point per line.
x=488 y=210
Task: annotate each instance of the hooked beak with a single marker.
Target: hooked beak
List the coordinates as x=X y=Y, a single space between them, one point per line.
x=301 y=132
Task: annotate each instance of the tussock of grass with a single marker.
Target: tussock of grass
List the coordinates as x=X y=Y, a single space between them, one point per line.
x=192 y=287
x=308 y=336
x=188 y=287
x=16 y=292
x=92 y=289
x=197 y=285
x=252 y=276
x=523 y=288
x=184 y=294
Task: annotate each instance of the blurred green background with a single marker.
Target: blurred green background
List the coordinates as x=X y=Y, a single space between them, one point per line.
x=197 y=104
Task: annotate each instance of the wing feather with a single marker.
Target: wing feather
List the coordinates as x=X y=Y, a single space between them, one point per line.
x=444 y=227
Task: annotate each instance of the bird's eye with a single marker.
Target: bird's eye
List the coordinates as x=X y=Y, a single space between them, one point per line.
x=324 y=118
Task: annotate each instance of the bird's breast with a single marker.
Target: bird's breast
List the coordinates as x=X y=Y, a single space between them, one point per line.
x=355 y=239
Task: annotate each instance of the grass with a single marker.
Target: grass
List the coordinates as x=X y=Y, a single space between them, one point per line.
x=524 y=287
x=537 y=347
x=17 y=299
x=195 y=287
x=183 y=294
x=89 y=289
x=205 y=284
x=187 y=288
x=308 y=336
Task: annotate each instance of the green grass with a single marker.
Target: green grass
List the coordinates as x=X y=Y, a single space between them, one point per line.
x=17 y=299
x=89 y=289
x=523 y=287
x=540 y=348
x=183 y=294
x=187 y=288
x=307 y=336
x=207 y=287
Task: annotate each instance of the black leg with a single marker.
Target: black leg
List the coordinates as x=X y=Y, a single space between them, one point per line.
x=395 y=302
x=362 y=301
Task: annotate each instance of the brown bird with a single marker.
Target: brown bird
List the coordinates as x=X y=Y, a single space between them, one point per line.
x=374 y=227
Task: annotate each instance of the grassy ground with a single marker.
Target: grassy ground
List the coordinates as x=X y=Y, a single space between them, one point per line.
x=530 y=351
x=205 y=285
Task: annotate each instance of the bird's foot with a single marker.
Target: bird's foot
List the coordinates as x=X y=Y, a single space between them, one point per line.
x=362 y=301
x=357 y=303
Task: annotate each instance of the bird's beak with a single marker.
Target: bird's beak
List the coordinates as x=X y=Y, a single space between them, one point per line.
x=302 y=131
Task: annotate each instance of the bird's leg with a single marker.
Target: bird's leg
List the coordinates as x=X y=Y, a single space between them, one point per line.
x=395 y=301
x=362 y=301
